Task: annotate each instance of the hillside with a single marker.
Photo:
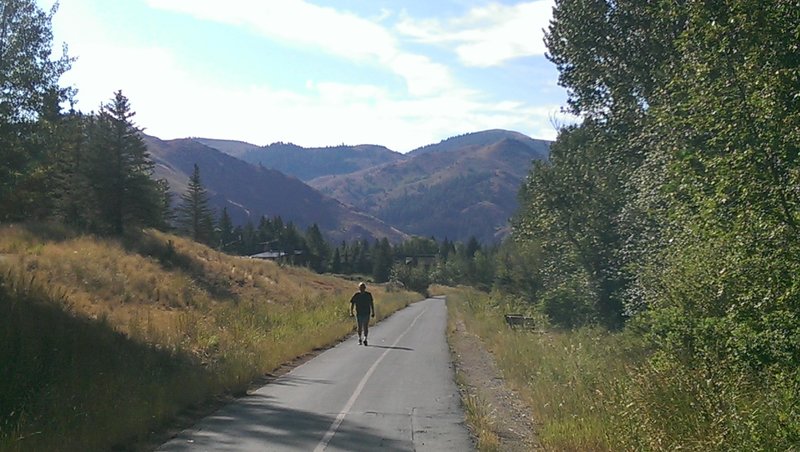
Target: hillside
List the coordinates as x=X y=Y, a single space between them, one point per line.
x=481 y=139
x=249 y=191
x=459 y=188
x=231 y=147
x=108 y=339
x=310 y=163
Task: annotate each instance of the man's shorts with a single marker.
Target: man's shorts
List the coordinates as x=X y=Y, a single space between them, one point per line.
x=362 y=320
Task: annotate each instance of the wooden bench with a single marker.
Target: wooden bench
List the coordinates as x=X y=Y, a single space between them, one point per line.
x=520 y=321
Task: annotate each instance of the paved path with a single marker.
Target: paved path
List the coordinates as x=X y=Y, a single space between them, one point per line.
x=397 y=394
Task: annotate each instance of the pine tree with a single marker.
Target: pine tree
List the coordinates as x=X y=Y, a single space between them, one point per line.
x=72 y=186
x=194 y=216
x=121 y=171
x=226 y=231
x=336 y=262
x=318 y=249
x=167 y=213
x=249 y=240
x=382 y=260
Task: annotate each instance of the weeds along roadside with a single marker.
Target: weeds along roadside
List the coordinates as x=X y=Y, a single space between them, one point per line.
x=478 y=416
x=102 y=341
x=568 y=379
x=590 y=389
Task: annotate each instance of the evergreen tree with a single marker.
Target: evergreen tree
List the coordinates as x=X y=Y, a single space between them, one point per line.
x=473 y=246
x=347 y=262
x=290 y=239
x=361 y=258
x=227 y=235
x=194 y=215
x=71 y=191
x=382 y=260
x=248 y=244
x=167 y=213
x=336 y=262
x=121 y=171
x=447 y=249
x=318 y=249
x=266 y=232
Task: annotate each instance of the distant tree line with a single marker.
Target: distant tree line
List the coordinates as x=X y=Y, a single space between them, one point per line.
x=416 y=263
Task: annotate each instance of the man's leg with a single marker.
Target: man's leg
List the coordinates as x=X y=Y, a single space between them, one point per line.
x=366 y=329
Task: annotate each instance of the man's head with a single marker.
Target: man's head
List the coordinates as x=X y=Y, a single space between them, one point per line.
x=362 y=287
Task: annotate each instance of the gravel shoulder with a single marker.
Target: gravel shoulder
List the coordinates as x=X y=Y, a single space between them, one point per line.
x=481 y=378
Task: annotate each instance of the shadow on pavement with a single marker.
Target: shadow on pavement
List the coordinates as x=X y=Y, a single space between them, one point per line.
x=392 y=348
x=256 y=423
x=287 y=380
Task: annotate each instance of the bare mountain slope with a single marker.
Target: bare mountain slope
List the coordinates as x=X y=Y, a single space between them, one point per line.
x=309 y=163
x=249 y=191
x=482 y=139
x=230 y=147
x=447 y=190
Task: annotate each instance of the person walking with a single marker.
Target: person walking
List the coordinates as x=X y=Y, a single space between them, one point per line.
x=364 y=305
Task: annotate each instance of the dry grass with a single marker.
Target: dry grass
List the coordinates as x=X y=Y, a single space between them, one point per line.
x=478 y=416
x=111 y=338
x=570 y=380
x=592 y=390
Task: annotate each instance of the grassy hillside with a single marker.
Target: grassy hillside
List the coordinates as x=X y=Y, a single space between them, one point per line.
x=102 y=341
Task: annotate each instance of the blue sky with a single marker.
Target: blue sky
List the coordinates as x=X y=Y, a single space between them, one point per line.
x=317 y=72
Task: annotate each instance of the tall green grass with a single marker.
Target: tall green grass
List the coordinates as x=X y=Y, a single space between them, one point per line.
x=568 y=379
x=104 y=341
x=591 y=389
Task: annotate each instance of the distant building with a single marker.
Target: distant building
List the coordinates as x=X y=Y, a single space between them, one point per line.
x=276 y=255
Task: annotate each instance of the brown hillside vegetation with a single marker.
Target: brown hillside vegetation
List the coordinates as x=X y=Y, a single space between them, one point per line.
x=249 y=192
x=105 y=340
x=454 y=192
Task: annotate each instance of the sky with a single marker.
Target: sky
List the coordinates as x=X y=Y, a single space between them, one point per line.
x=401 y=74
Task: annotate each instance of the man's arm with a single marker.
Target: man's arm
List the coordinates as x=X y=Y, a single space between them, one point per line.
x=371 y=305
x=352 y=304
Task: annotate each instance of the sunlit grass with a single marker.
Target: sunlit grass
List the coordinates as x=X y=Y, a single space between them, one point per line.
x=590 y=389
x=478 y=416
x=568 y=379
x=104 y=340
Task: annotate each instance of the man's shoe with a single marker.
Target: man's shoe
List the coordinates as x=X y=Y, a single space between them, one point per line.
x=359 y=341
x=365 y=342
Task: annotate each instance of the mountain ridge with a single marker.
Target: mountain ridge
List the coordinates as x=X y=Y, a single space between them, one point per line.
x=461 y=187
x=250 y=192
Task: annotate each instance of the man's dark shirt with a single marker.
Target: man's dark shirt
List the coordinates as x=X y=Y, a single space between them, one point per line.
x=363 y=302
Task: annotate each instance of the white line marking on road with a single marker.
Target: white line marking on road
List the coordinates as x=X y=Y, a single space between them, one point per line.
x=340 y=417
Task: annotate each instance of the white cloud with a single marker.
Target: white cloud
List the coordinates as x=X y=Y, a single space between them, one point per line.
x=173 y=102
x=487 y=36
x=335 y=32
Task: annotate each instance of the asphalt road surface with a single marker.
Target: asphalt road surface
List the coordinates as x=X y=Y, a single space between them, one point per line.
x=397 y=394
